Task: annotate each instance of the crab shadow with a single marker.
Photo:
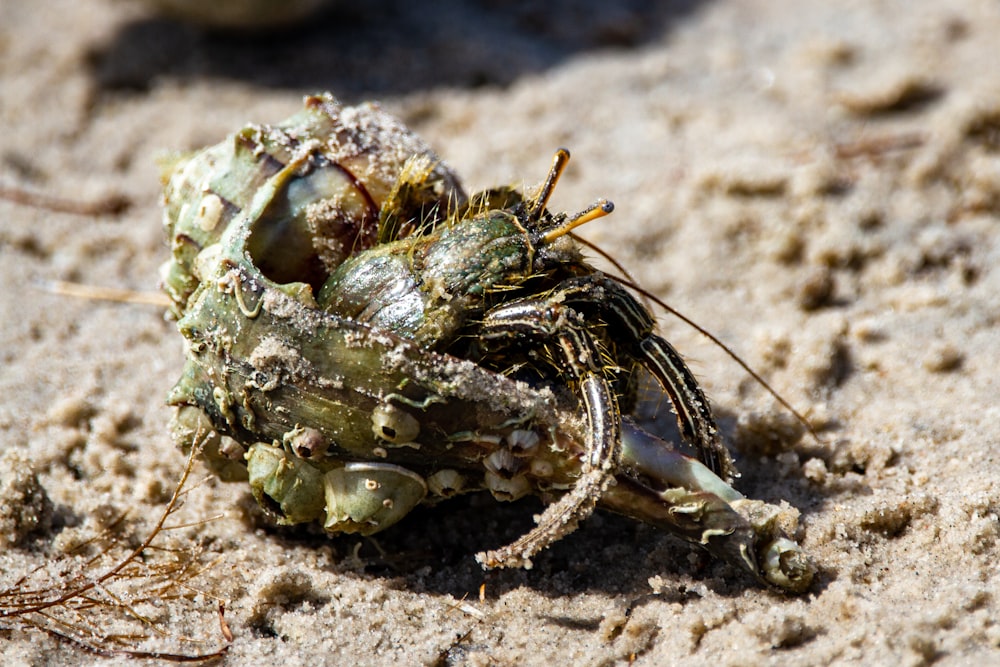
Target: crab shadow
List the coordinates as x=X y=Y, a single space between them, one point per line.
x=433 y=549
x=386 y=46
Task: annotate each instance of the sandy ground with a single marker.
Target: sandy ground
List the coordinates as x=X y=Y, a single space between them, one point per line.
x=817 y=183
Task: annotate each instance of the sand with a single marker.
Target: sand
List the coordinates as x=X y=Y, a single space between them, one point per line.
x=816 y=183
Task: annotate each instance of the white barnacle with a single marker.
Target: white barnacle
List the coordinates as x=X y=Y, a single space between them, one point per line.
x=394 y=425
x=306 y=442
x=446 y=483
x=523 y=442
x=507 y=489
x=503 y=463
x=209 y=212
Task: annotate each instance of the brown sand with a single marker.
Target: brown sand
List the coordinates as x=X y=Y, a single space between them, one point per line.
x=817 y=183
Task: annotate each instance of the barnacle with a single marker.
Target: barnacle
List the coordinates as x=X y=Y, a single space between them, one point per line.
x=372 y=339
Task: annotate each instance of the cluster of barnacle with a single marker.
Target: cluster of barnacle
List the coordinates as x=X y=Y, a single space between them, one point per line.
x=363 y=337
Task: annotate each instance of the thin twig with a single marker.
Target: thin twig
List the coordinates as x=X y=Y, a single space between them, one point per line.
x=115 y=204
x=96 y=293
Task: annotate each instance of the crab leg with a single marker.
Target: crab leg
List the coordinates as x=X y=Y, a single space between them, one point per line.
x=634 y=325
x=663 y=487
x=581 y=355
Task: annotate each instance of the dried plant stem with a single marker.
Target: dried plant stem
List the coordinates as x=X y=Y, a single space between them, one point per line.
x=115 y=204
x=96 y=293
x=80 y=598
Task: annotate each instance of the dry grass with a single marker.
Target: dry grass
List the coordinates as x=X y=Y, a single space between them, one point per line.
x=104 y=596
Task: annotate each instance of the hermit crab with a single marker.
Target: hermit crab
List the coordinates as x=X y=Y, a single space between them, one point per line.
x=363 y=337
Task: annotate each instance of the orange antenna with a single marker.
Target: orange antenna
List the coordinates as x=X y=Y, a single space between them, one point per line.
x=598 y=209
x=559 y=163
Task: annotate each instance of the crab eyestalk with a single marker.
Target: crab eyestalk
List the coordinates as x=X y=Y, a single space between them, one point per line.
x=661 y=486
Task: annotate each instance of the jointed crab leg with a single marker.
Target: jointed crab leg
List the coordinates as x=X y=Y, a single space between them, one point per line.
x=633 y=326
x=654 y=482
x=580 y=354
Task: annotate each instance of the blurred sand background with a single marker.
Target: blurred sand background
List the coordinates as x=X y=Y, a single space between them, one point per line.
x=816 y=183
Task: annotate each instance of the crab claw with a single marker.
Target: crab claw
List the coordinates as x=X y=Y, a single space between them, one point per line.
x=661 y=486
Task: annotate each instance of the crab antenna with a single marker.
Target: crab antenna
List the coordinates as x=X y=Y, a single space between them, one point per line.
x=559 y=163
x=599 y=209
